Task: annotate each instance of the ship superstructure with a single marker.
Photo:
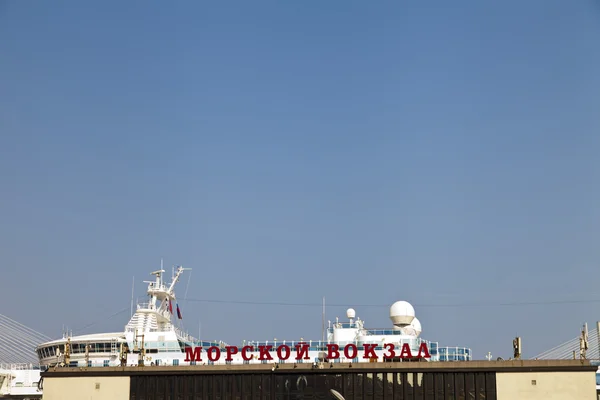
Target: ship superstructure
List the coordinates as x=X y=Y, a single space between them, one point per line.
x=149 y=334
x=152 y=338
x=19 y=380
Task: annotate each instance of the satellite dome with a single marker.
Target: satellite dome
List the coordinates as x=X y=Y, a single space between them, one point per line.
x=416 y=325
x=350 y=313
x=402 y=313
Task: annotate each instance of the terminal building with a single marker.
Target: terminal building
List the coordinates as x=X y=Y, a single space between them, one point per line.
x=461 y=380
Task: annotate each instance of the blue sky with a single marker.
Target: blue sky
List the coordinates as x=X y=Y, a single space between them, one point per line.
x=443 y=153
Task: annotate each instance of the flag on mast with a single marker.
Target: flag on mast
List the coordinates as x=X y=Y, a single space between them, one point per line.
x=178 y=312
x=170 y=307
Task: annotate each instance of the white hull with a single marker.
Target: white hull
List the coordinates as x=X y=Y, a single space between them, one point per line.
x=19 y=380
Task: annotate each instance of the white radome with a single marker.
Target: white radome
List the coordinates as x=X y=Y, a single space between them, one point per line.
x=402 y=313
x=416 y=325
x=350 y=313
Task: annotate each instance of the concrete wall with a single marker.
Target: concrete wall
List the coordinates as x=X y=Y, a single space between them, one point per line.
x=546 y=385
x=88 y=388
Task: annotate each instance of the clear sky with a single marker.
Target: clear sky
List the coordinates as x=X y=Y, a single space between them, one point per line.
x=366 y=151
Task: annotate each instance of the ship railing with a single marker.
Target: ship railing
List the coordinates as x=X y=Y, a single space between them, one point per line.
x=156 y=358
x=161 y=346
x=384 y=332
x=175 y=346
x=205 y=344
x=145 y=305
x=453 y=350
x=18 y=366
x=183 y=335
x=447 y=352
x=344 y=325
x=139 y=330
x=375 y=331
x=322 y=346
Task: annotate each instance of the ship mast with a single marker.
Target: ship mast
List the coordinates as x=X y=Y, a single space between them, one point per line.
x=180 y=270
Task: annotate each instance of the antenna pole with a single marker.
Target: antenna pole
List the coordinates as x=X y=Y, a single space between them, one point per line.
x=132 y=286
x=323 y=323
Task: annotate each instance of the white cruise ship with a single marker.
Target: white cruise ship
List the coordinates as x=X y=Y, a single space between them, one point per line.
x=20 y=381
x=151 y=338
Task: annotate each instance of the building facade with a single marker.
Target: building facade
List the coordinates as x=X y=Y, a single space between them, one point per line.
x=477 y=380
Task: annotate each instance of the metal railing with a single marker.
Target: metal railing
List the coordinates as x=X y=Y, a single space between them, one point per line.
x=18 y=366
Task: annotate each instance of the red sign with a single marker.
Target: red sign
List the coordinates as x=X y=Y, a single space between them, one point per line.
x=284 y=352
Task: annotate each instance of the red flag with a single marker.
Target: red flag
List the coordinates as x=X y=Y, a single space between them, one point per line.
x=170 y=306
